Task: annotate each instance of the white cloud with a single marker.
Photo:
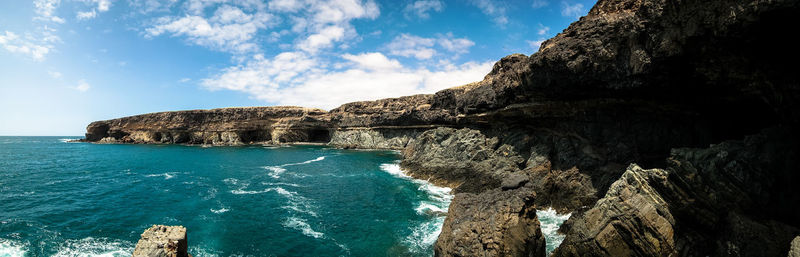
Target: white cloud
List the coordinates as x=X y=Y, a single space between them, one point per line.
x=542 y=29
x=285 y=5
x=323 y=39
x=148 y=6
x=407 y=45
x=230 y=29
x=27 y=46
x=455 y=45
x=536 y=44
x=489 y=7
x=86 y=15
x=184 y=80
x=291 y=78
x=422 y=8
x=45 y=10
x=82 y=86
x=373 y=61
x=54 y=74
x=421 y=48
x=539 y=3
x=575 y=10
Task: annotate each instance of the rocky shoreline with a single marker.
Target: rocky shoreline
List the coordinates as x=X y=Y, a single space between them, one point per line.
x=666 y=128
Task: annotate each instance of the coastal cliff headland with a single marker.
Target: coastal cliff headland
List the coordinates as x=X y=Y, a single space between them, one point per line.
x=668 y=128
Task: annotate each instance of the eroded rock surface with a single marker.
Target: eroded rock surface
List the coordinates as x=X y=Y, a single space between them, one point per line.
x=731 y=199
x=162 y=241
x=493 y=223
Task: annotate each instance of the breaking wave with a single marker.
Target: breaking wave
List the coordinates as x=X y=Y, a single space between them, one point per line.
x=10 y=248
x=95 y=247
x=276 y=171
x=424 y=235
x=550 y=222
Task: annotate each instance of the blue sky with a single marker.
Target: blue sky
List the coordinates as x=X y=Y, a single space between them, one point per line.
x=65 y=63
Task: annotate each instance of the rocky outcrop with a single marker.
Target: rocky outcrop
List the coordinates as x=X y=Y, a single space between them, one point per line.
x=495 y=223
x=162 y=241
x=731 y=199
x=463 y=159
x=216 y=126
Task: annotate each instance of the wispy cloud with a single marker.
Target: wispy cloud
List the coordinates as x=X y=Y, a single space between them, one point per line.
x=539 y=3
x=422 y=8
x=422 y=48
x=542 y=30
x=494 y=9
x=25 y=45
x=230 y=29
x=82 y=86
x=572 y=10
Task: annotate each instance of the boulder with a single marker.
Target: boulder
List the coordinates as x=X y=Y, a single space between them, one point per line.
x=162 y=241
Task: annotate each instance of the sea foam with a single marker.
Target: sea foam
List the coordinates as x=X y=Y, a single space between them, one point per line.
x=276 y=171
x=10 y=248
x=302 y=226
x=550 y=222
x=423 y=235
x=95 y=247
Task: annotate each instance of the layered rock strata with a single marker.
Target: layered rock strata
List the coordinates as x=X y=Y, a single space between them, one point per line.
x=162 y=241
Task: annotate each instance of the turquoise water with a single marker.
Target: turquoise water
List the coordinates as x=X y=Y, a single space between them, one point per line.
x=80 y=199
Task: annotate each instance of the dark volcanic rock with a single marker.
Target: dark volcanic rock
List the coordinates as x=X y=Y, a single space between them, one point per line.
x=463 y=159
x=492 y=223
x=162 y=241
x=732 y=199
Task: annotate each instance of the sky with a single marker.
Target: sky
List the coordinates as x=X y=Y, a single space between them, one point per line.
x=65 y=63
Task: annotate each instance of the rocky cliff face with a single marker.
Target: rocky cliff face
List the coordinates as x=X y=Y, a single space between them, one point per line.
x=216 y=126
x=628 y=83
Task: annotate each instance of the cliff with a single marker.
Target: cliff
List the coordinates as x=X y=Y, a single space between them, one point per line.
x=651 y=82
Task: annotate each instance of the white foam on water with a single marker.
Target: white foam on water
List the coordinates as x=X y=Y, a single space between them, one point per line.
x=10 y=248
x=166 y=175
x=424 y=235
x=221 y=210
x=95 y=247
x=550 y=222
x=65 y=140
x=276 y=171
x=249 y=192
x=280 y=184
x=302 y=226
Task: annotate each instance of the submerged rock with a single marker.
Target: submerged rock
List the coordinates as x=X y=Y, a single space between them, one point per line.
x=162 y=241
x=492 y=223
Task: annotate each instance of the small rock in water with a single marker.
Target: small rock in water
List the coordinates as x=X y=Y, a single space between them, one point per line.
x=162 y=241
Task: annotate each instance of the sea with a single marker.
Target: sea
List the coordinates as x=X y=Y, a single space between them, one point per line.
x=59 y=198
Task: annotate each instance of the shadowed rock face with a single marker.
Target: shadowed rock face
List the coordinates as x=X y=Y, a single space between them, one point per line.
x=495 y=223
x=727 y=200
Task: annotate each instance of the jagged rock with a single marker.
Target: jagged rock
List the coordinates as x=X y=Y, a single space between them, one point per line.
x=514 y=181
x=492 y=223
x=732 y=199
x=794 y=250
x=463 y=159
x=162 y=241
x=563 y=190
x=631 y=220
